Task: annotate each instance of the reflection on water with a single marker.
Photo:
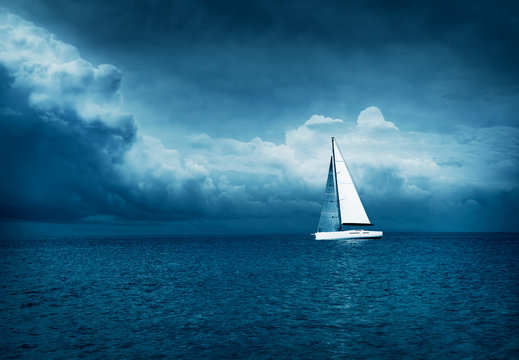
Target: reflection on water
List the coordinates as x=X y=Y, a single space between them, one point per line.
x=354 y=241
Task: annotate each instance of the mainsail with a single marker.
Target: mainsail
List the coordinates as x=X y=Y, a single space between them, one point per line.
x=341 y=202
x=351 y=210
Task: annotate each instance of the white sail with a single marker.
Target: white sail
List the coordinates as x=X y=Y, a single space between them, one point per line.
x=341 y=204
x=351 y=210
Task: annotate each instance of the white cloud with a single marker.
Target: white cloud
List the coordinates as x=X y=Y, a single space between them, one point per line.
x=444 y=159
x=56 y=76
x=320 y=119
x=371 y=118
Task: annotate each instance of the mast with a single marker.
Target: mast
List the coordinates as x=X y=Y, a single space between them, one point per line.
x=336 y=183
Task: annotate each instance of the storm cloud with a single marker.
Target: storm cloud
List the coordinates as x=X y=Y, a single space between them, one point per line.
x=245 y=69
x=71 y=153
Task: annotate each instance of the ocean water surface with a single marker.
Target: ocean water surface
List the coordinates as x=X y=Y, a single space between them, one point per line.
x=407 y=295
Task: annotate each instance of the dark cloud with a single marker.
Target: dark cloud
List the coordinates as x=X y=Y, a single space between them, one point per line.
x=55 y=165
x=70 y=153
x=469 y=24
x=217 y=64
x=459 y=207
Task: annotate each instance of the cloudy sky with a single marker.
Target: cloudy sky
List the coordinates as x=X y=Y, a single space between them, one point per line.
x=216 y=116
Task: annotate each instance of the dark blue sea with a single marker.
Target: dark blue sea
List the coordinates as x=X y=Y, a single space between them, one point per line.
x=405 y=296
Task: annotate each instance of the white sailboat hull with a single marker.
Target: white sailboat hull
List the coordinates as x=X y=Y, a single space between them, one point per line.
x=349 y=234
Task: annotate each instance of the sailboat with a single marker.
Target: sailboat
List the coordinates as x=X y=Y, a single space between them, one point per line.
x=342 y=206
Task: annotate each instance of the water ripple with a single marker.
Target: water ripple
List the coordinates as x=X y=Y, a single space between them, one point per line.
x=285 y=297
